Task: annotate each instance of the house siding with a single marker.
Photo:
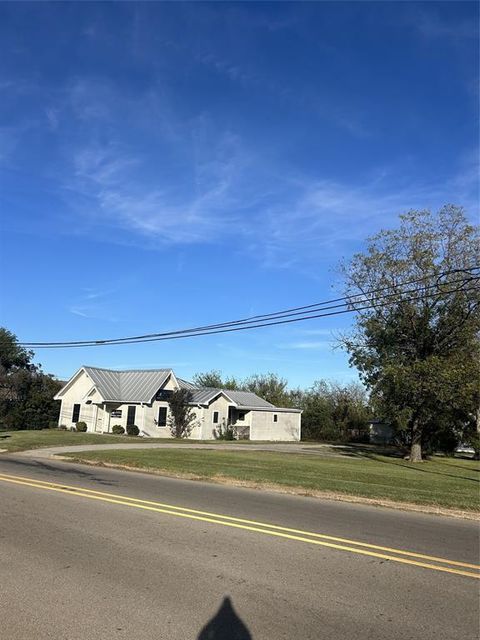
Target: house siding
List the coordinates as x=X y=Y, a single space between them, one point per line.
x=263 y=427
x=221 y=404
x=75 y=394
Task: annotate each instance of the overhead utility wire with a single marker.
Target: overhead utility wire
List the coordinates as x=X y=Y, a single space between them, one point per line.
x=251 y=326
x=272 y=316
x=295 y=311
x=242 y=328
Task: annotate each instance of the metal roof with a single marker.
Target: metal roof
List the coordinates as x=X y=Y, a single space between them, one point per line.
x=243 y=399
x=248 y=399
x=140 y=385
x=128 y=386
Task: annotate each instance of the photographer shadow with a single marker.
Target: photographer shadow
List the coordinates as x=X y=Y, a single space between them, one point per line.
x=225 y=625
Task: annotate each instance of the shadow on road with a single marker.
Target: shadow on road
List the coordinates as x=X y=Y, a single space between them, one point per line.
x=58 y=470
x=225 y=625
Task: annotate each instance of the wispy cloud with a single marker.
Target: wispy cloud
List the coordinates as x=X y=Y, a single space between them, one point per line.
x=136 y=171
x=94 y=303
x=325 y=218
x=282 y=223
x=197 y=211
x=316 y=345
x=431 y=26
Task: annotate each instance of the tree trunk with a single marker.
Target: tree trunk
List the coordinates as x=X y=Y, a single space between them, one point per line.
x=476 y=455
x=416 y=447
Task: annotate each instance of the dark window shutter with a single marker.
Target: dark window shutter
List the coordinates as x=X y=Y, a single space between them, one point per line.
x=76 y=413
x=131 y=415
x=162 y=416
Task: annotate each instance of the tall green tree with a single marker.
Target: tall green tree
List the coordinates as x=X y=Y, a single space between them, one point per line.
x=215 y=379
x=12 y=356
x=417 y=346
x=269 y=386
x=26 y=393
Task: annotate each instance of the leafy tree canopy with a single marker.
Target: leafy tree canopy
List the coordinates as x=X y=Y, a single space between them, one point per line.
x=215 y=379
x=268 y=385
x=12 y=355
x=417 y=346
x=26 y=393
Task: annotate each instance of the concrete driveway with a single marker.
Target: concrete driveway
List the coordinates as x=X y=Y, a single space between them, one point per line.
x=312 y=449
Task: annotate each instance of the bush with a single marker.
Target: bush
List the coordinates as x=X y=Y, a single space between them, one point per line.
x=53 y=424
x=62 y=427
x=225 y=432
x=118 y=430
x=81 y=426
x=132 y=430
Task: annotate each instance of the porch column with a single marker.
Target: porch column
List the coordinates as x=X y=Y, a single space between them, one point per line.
x=107 y=414
x=95 y=414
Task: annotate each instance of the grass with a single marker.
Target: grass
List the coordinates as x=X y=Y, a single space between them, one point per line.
x=442 y=482
x=23 y=440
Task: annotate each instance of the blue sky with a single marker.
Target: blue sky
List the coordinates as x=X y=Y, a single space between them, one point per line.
x=169 y=165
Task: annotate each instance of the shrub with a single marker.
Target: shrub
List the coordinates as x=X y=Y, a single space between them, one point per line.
x=62 y=427
x=81 y=426
x=225 y=432
x=118 y=430
x=132 y=430
x=53 y=424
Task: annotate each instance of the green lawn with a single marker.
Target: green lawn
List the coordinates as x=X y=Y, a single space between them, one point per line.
x=23 y=440
x=441 y=482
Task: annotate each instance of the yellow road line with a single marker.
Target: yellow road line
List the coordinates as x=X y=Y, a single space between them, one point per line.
x=130 y=502
x=250 y=522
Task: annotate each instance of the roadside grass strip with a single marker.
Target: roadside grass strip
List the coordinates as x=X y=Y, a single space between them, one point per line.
x=342 y=544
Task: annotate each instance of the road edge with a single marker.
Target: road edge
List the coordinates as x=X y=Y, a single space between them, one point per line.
x=274 y=488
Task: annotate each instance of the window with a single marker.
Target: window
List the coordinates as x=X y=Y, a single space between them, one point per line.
x=76 y=413
x=162 y=417
x=116 y=413
x=275 y=417
x=241 y=416
x=163 y=394
x=131 y=415
x=215 y=417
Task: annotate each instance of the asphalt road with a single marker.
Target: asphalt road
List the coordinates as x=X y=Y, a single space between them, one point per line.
x=81 y=557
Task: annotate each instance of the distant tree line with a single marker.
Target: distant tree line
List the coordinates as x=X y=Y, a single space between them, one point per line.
x=331 y=411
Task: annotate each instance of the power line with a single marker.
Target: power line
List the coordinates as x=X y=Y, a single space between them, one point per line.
x=295 y=311
x=227 y=327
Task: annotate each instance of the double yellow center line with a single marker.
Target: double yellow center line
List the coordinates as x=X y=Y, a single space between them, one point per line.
x=320 y=539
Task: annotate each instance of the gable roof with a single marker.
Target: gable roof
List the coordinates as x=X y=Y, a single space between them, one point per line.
x=128 y=386
x=243 y=399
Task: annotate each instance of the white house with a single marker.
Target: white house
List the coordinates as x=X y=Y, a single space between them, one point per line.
x=103 y=398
